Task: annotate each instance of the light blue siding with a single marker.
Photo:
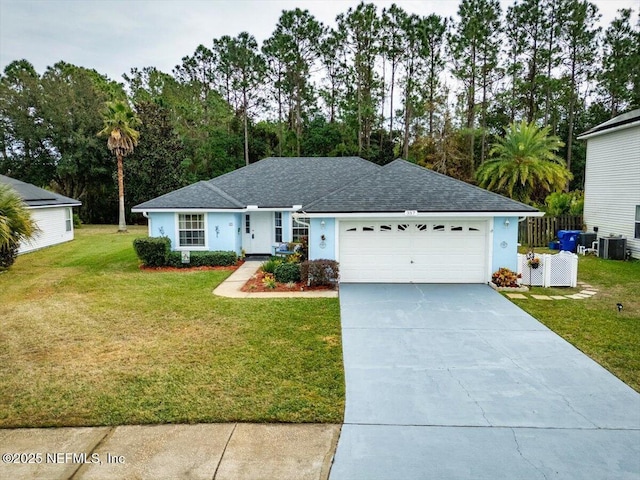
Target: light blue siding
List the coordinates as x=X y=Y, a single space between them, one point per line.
x=505 y=243
x=287 y=222
x=237 y=218
x=319 y=248
x=163 y=225
x=222 y=231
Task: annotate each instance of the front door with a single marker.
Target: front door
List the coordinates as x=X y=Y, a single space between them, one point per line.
x=258 y=232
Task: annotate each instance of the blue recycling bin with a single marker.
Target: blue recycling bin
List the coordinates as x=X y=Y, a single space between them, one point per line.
x=568 y=239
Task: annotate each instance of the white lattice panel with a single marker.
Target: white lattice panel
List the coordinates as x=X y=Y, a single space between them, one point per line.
x=559 y=270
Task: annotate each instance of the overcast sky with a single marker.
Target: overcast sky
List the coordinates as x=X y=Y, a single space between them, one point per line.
x=112 y=36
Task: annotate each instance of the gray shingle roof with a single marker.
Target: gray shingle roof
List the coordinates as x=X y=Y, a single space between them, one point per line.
x=624 y=119
x=197 y=195
x=336 y=185
x=401 y=186
x=271 y=182
x=38 y=197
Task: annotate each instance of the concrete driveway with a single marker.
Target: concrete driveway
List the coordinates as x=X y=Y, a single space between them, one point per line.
x=455 y=382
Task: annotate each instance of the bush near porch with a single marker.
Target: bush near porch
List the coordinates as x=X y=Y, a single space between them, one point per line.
x=90 y=339
x=156 y=252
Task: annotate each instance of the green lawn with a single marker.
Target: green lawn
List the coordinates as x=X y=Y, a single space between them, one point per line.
x=86 y=338
x=594 y=325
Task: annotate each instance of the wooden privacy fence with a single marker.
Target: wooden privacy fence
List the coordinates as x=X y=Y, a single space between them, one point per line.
x=539 y=231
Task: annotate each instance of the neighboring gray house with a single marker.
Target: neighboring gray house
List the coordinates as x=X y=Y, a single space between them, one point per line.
x=52 y=213
x=612 y=179
x=394 y=223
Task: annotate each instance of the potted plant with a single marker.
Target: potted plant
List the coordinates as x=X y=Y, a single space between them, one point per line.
x=534 y=262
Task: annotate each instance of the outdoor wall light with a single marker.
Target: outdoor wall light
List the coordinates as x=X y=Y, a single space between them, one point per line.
x=506 y=223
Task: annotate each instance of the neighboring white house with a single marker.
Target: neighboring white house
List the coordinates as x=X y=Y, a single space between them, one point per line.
x=395 y=223
x=52 y=213
x=612 y=179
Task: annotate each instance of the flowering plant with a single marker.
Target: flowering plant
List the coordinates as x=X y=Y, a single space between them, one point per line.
x=269 y=281
x=534 y=262
x=505 y=278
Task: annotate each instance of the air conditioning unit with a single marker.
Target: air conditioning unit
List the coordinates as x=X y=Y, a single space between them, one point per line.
x=612 y=248
x=586 y=239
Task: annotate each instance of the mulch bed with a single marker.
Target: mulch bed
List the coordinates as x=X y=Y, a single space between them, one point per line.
x=255 y=285
x=189 y=269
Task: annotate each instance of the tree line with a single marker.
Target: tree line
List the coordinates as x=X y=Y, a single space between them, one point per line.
x=381 y=84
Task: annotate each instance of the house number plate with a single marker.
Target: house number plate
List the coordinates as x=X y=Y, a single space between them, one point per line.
x=411 y=213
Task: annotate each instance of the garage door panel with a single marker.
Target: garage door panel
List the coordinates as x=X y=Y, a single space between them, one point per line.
x=416 y=251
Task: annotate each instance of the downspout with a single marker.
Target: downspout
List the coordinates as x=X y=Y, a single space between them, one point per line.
x=296 y=216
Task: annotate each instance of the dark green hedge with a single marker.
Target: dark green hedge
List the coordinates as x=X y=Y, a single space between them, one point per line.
x=156 y=252
x=287 y=272
x=152 y=251
x=203 y=259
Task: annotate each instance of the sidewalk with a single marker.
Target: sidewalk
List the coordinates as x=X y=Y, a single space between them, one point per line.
x=231 y=287
x=227 y=451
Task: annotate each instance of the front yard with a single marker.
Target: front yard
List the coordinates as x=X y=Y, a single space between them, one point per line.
x=594 y=325
x=87 y=338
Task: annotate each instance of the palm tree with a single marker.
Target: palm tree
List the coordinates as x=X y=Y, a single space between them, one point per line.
x=15 y=224
x=525 y=166
x=119 y=126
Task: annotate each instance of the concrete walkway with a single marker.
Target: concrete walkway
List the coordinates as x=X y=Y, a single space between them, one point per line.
x=587 y=292
x=232 y=286
x=229 y=451
x=455 y=382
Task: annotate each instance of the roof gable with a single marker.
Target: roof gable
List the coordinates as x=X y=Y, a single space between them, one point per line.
x=288 y=181
x=198 y=195
x=274 y=182
x=626 y=119
x=401 y=186
x=37 y=197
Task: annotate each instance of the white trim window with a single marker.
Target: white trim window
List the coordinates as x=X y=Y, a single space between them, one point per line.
x=191 y=230
x=277 y=216
x=300 y=229
x=68 y=220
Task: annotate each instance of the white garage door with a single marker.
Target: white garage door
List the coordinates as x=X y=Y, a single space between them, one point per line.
x=414 y=252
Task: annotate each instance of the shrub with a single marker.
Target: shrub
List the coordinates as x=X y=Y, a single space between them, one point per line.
x=174 y=259
x=152 y=251
x=217 y=258
x=295 y=257
x=560 y=203
x=270 y=265
x=203 y=259
x=577 y=205
x=268 y=281
x=287 y=272
x=319 y=272
x=505 y=278
x=8 y=254
x=304 y=248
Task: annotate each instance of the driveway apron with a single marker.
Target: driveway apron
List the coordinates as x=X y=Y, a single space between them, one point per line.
x=456 y=382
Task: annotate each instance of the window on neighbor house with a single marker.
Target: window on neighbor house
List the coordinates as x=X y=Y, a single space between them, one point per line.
x=191 y=230
x=637 y=235
x=300 y=229
x=278 y=224
x=68 y=219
